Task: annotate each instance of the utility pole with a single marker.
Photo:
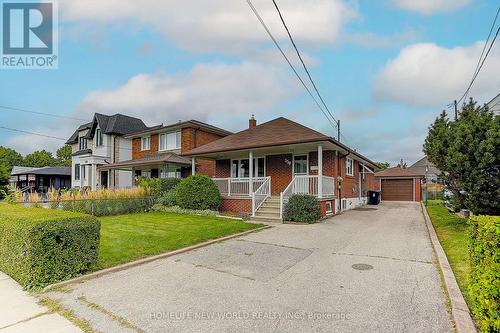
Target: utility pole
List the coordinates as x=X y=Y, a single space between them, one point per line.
x=338 y=130
x=456 y=110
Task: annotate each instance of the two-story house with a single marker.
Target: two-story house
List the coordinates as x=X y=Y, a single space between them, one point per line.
x=157 y=151
x=99 y=143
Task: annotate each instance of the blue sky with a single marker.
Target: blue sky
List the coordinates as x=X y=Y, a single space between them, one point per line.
x=386 y=68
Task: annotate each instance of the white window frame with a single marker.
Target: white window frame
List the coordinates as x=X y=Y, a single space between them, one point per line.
x=348 y=161
x=328 y=203
x=163 y=143
x=83 y=172
x=98 y=137
x=255 y=166
x=143 y=147
x=293 y=163
x=77 y=167
x=80 y=145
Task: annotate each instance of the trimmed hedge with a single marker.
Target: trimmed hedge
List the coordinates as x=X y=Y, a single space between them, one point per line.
x=159 y=186
x=42 y=246
x=484 y=286
x=302 y=208
x=107 y=207
x=168 y=199
x=198 y=192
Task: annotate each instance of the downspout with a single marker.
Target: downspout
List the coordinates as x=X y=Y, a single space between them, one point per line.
x=339 y=157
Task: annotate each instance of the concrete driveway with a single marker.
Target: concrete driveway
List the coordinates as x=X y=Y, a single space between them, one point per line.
x=288 y=278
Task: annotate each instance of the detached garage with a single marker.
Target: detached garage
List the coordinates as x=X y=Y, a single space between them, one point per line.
x=398 y=184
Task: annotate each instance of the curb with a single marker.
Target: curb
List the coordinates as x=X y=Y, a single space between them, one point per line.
x=146 y=260
x=459 y=310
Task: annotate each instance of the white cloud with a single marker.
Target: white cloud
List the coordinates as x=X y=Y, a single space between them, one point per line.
x=429 y=7
x=372 y=40
x=429 y=75
x=217 y=25
x=218 y=93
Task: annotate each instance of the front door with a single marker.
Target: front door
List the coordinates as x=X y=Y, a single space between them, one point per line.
x=300 y=169
x=104 y=179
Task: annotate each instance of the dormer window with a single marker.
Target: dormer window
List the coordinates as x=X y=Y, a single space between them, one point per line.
x=83 y=143
x=170 y=141
x=146 y=143
x=98 y=137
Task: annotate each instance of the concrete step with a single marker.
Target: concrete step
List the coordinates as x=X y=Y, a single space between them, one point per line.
x=265 y=219
x=271 y=205
x=268 y=215
x=264 y=209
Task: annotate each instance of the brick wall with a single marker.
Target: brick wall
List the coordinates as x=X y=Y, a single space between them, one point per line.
x=236 y=205
x=136 y=147
x=350 y=184
x=418 y=189
x=329 y=165
x=279 y=168
x=371 y=183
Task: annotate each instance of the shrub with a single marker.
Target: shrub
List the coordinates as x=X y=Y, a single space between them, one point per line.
x=159 y=186
x=179 y=210
x=198 y=192
x=168 y=199
x=302 y=208
x=41 y=246
x=484 y=286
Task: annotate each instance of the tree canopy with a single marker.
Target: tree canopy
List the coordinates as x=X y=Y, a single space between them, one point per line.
x=9 y=158
x=467 y=151
x=63 y=156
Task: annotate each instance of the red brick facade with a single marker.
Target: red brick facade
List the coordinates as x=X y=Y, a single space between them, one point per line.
x=279 y=168
x=190 y=138
x=236 y=205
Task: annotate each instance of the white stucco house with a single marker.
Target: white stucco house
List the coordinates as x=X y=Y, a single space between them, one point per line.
x=101 y=142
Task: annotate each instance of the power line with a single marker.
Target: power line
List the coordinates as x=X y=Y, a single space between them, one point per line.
x=301 y=60
x=478 y=69
x=287 y=60
x=40 y=113
x=49 y=136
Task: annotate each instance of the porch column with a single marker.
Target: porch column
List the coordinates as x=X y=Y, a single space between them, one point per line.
x=193 y=166
x=250 y=172
x=320 y=171
x=93 y=177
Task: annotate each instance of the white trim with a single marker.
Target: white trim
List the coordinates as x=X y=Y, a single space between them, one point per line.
x=142 y=142
x=178 y=144
x=352 y=166
x=293 y=164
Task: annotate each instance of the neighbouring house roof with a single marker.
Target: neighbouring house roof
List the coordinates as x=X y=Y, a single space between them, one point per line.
x=398 y=173
x=190 y=123
x=53 y=171
x=494 y=104
x=82 y=152
x=119 y=124
x=419 y=167
x=277 y=132
x=153 y=159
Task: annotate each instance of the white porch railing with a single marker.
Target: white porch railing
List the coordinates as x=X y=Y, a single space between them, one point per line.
x=238 y=186
x=307 y=185
x=261 y=194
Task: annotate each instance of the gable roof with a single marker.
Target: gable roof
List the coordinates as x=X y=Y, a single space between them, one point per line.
x=119 y=124
x=419 y=167
x=277 y=132
x=181 y=124
x=152 y=159
x=398 y=172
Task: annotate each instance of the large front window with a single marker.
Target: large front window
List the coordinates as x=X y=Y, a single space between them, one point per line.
x=170 y=141
x=241 y=168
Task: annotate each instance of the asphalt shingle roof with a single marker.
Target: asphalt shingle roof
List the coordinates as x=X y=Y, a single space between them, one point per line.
x=398 y=172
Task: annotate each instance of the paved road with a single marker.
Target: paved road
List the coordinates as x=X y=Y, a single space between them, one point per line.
x=288 y=278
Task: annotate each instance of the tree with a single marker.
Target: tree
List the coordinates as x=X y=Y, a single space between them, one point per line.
x=4 y=180
x=63 y=155
x=38 y=159
x=9 y=158
x=383 y=165
x=468 y=151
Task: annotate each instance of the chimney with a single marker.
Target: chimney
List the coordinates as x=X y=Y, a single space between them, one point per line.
x=252 y=122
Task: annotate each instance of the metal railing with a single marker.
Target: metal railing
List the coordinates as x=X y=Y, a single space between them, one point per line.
x=305 y=184
x=238 y=186
x=261 y=194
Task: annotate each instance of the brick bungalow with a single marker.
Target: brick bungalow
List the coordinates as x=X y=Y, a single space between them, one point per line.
x=258 y=169
x=157 y=151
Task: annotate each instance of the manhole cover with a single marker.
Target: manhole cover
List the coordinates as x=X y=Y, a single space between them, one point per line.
x=362 y=267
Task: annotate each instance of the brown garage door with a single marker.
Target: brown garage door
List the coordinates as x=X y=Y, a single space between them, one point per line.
x=397 y=189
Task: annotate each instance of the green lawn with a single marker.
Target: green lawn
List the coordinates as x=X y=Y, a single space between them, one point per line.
x=133 y=236
x=452 y=234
